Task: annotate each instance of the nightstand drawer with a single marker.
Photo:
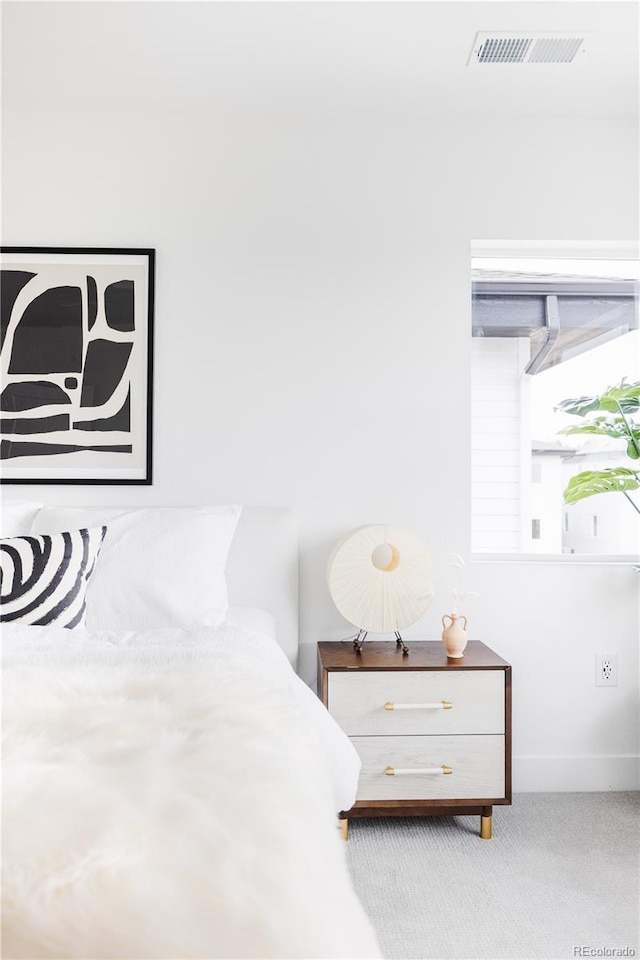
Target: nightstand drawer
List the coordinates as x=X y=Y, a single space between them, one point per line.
x=420 y=768
x=390 y=703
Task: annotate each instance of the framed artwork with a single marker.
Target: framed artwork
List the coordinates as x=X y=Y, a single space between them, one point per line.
x=76 y=351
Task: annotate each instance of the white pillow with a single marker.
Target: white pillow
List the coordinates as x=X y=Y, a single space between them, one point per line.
x=253 y=620
x=17 y=516
x=44 y=579
x=159 y=567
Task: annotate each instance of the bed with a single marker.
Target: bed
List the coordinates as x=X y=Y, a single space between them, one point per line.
x=170 y=786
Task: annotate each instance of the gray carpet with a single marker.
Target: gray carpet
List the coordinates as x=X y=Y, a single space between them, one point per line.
x=561 y=872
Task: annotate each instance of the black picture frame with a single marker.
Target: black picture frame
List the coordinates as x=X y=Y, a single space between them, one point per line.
x=76 y=365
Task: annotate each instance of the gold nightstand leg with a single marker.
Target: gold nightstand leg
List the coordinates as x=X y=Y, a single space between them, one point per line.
x=344 y=828
x=486 y=821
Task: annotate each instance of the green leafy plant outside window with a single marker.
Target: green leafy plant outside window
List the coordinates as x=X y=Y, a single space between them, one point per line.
x=613 y=412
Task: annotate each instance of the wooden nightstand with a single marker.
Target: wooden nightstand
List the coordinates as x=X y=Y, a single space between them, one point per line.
x=434 y=735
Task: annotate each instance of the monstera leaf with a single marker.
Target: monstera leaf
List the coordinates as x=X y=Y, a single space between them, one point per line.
x=624 y=398
x=615 y=407
x=615 y=427
x=590 y=482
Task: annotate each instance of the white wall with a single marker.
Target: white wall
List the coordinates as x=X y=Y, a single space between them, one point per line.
x=313 y=349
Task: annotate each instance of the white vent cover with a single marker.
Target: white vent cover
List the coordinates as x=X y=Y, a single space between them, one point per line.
x=525 y=47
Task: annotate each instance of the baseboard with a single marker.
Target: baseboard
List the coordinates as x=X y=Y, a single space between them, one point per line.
x=579 y=774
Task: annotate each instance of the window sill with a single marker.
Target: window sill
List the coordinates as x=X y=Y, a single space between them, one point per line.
x=620 y=560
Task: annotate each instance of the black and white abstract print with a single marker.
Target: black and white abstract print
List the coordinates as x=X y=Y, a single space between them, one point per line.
x=43 y=579
x=75 y=336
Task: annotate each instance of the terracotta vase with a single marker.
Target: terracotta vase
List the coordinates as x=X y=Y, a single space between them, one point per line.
x=454 y=636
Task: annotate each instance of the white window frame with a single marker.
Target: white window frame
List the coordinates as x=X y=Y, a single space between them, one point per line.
x=538 y=249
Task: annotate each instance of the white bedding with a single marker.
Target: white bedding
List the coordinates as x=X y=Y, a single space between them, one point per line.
x=171 y=794
x=253 y=620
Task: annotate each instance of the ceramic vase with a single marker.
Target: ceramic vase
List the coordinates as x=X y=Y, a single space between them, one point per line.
x=454 y=635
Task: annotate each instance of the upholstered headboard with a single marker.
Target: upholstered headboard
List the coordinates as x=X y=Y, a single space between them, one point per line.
x=262 y=569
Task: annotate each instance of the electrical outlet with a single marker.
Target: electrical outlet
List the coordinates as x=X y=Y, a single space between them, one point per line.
x=606 y=670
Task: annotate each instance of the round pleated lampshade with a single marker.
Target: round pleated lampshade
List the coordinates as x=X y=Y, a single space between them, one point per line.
x=380 y=578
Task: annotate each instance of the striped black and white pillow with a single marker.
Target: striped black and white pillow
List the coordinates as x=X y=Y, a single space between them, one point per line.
x=43 y=579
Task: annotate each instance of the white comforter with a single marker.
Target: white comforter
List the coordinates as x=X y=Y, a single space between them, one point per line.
x=171 y=794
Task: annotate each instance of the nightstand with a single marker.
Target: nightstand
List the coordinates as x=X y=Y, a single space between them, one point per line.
x=433 y=734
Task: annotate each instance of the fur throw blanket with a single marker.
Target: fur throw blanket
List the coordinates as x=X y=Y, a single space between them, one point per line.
x=171 y=794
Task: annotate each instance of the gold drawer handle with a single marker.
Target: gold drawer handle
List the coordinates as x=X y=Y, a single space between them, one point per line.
x=440 y=705
x=406 y=771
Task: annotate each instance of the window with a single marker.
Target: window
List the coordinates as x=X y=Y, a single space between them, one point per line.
x=545 y=330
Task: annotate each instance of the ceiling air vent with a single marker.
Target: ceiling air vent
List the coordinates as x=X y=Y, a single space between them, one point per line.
x=499 y=47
